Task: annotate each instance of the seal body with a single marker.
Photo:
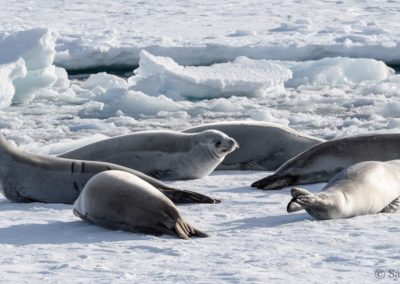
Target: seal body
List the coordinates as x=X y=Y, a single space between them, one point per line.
x=161 y=154
x=263 y=146
x=323 y=161
x=26 y=177
x=363 y=188
x=119 y=200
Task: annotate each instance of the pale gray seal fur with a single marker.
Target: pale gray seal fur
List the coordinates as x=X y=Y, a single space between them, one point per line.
x=363 y=188
x=119 y=200
x=263 y=145
x=161 y=154
x=323 y=161
x=27 y=177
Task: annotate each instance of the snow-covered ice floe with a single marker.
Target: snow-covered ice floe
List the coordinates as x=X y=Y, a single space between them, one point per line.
x=242 y=77
x=246 y=77
x=337 y=71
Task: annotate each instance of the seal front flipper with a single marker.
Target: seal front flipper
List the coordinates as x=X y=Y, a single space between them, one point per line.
x=392 y=207
x=274 y=182
x=186 y=196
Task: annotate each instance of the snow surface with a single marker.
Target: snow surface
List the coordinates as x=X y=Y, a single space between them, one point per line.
x=320 y=67
x=253 y=240
x=101 y=32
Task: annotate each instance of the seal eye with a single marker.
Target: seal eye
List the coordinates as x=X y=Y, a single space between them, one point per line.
x=218 y=143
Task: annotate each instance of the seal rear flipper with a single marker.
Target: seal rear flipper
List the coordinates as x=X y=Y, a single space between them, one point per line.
x=186 y=196
x=392 y=207
x=274 y=182
x=302 y=199
x=293 y=206
x=185 y=231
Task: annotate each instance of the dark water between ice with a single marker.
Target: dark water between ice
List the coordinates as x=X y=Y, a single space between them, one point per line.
x=125 y=71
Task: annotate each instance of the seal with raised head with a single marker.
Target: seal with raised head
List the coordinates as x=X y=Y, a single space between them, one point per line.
x=363 y=188
x=263 y=145
x=323 y=161
x=121 y=201
x=161 y=154
x=27 y=177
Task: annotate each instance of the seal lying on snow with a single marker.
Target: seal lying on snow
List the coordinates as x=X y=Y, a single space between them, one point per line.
x=263 y=146
x=323 y=161
x=26 y=177
x=161 y=154
x=119 y=200
x=364 y=188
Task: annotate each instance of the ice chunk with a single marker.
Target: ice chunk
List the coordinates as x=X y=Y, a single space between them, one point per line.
x=130 y=103
x=8 y=73
x=337 y=71
x=34 y=49
x=62 y=78
x=243 y=77
x=35 y=46
x=136 y=103
x=239 y=33
x=104 y=80
x=25 y=87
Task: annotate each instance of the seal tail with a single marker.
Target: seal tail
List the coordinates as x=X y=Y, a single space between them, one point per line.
x=274 y=182
x=185 y=231
x=299 y=200
x=185 y=196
